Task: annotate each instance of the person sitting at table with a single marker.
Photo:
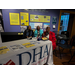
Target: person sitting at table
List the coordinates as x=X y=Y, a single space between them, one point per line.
x=38 y=32
x=28 y=32
x=51 y=36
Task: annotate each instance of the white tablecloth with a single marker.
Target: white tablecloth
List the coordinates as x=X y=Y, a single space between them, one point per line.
x=37 y=55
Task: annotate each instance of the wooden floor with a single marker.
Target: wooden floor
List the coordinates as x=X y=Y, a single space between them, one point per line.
x=65 y=58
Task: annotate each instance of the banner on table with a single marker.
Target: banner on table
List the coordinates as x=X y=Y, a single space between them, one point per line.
x=35 y=56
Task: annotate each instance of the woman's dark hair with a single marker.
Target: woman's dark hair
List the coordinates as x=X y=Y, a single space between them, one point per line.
x=28 y=27
x=37 y=27
x=47 y=28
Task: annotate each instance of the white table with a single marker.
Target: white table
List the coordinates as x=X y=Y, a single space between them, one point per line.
x=36 y=55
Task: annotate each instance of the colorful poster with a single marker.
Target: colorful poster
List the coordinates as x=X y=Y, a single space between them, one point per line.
x=39 y=18
x=14 y=18
x=23 y=28
x=46 y=25
x=24 y=19
x=3 y=50
x=54 y=20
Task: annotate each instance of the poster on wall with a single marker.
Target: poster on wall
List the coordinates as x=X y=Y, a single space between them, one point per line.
x=14 y=18
x=23 y=28
x=46 y=25
x=39 y=18
x=54 y=20
x=24 y=19
x=34 y=25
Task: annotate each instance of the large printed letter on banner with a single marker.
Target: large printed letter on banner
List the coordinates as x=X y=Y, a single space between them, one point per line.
x=46 y=50
x=20 y=57
x=37 y=54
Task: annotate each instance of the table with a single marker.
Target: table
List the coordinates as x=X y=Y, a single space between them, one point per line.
x=37 y=55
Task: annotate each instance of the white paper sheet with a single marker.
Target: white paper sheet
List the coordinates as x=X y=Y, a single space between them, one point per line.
x=53 y=26
x=23 y=28
x=38 y=24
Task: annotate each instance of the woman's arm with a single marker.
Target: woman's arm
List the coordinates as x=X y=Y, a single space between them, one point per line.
x=35 y=33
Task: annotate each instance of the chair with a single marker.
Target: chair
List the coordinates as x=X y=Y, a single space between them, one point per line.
x=66 y=46
x=66 y=33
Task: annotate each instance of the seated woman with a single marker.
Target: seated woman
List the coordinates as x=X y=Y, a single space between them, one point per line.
x=51 y=36
x=28 y=32
x=38 y=32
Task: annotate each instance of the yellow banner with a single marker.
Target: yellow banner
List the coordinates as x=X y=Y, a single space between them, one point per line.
x=39 y=18
x=24 y=19
x=14 y=18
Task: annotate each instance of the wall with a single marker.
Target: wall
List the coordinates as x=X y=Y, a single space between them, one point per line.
x=9 y=28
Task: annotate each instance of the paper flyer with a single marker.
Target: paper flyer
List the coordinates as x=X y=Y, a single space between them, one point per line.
x=3 y=50
x=16 y=47
x=14 y=18
x=28 y=45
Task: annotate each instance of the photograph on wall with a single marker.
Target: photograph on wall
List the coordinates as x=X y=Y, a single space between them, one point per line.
x=54 y=20
x=23 y=28
x=24 y=19
x=1 y=23
x=46 y=25
x=14 y=18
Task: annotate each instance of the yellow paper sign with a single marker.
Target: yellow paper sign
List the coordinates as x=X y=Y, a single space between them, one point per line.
x=24 y=19
x=3 y=50
x=39 y=18
x=20 y=33
x=14 y=18
x=28 y=45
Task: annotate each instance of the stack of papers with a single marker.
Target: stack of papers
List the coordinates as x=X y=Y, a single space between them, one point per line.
x=3 y=50
x=28 y=45
x=16 y=47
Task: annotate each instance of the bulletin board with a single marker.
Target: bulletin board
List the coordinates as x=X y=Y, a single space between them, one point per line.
x=14 y=18
x=39 y=18
x=24 y=19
